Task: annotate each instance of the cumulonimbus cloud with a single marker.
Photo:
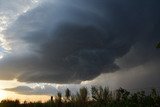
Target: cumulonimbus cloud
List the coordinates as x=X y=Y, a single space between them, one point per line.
x=68 y=42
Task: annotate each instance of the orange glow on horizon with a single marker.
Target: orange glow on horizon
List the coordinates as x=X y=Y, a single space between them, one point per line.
x=29 y=98
x=13 y=96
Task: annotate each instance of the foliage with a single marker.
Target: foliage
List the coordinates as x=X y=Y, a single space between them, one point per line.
x=100 y=97
x=67 y=94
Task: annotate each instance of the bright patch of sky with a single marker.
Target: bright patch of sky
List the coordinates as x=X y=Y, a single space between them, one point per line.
x=8 y=16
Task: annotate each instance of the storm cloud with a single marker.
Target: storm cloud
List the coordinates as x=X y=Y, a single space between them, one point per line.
x=74 y=41
x=45 y=89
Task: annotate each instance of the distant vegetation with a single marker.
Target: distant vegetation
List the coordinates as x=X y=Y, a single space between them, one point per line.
x=99 y=97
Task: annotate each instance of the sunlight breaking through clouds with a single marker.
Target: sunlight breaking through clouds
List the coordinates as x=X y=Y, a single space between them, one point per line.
x=4 y=44
x=7 y=18
x=34 y=46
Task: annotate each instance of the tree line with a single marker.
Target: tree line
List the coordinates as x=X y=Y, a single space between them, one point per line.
x=98 y=97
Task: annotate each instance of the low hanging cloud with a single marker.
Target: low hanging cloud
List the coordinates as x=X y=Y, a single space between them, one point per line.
x=45 y=89
x=74 y=41
x=26 y=90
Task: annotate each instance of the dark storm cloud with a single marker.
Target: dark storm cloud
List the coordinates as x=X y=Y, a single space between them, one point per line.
x=72 y=41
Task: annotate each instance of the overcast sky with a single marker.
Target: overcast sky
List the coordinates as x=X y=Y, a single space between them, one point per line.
x=82 y=42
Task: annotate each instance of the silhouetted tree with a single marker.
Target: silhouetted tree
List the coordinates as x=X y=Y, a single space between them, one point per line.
x=107 y=95
x=10 y=103
x=97 y=94
x=82 y=96
x=58 y=99
x=67 y=94
x=122 y=94
x=155 y=97
x=101 y=95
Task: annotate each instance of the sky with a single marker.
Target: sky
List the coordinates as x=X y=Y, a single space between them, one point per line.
x=51 y=45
